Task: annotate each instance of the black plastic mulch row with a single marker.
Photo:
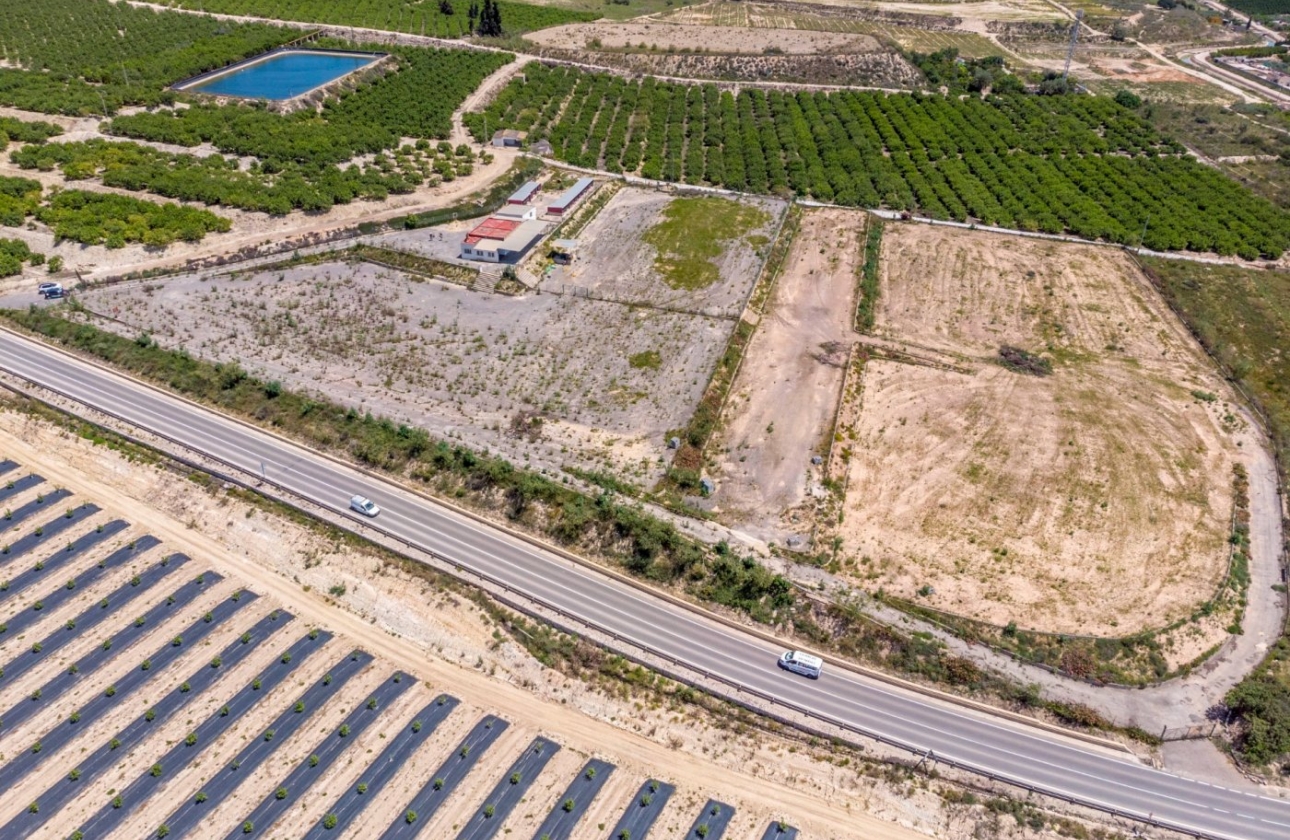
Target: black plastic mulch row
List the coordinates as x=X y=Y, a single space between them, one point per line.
x=174 y=701
x=226 y=779
x=13 y=518
x=580 y=793
x=56 y=561
x=13 y=486
x=8 y=465
x=711 y=822
x=321 y=757
x=644 y=810
x=509 y=791
x=350 y=804
x=446 y=778
x=95 y=615
x=54 y=599
x=779 y=831
x=206 y=734
x=118 y=645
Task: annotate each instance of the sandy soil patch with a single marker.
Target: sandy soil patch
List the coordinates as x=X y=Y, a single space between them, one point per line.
x=457 y=363
x=834 y=14
x=780 y=411
x=1094 y=500
x=700 y=38
x=1130 y=70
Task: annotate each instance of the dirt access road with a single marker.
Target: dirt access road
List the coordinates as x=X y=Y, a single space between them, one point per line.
x=780 y=411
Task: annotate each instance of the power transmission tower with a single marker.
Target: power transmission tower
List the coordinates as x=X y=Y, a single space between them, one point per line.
x=1070 y=51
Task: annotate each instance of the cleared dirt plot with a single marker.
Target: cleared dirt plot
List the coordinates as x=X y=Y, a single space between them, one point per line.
x=697 y=254
x=735 y=39
x=780 y=411
x=551 y=379
x=1095 y=499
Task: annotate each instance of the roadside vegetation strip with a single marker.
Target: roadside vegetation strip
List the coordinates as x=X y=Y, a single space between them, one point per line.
x=438 y=20
x=712 y=821
x=18 y=584
x=1078 y=164
x=222 y=782
x=325 y=753
x=642 y=543
x=576 y=800
x=150 y=665
x=80 y=57
x=509 y=791
x=444 y=781
x=207 y=733
x=121 y=597
x=867 y=299
x=12 y=626
x=641 y=813
x=350 y=804
x=171 y=703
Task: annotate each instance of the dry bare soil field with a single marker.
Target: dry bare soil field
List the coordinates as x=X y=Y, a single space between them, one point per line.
x=1094 y=500
x=605 y=380
x=780 y=410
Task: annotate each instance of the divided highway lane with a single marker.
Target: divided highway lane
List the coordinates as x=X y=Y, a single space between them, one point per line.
x=1020 y=754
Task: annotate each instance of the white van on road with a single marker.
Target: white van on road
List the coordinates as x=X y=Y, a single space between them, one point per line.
x=802 y=663
x=364 y=505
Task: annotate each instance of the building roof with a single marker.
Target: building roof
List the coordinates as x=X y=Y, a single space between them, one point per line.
x=509 y=134
x=524 y=193
x=492 y=228
x=514 y=211
x=522 y=237
x=565 y=245
x=571 y=195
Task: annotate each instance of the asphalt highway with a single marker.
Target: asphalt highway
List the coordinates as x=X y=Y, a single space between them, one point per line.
x=1015 y=752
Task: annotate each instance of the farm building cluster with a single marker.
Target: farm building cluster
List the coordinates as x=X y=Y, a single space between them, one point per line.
x=510 y=232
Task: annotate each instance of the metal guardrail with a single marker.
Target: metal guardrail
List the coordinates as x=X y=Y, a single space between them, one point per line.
x=627 y=648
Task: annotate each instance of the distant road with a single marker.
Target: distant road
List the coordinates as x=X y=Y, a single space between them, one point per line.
x=1013 y=752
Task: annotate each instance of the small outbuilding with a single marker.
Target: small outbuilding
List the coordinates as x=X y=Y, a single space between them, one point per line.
x=570 y=197
x=542 y=147
x=516 y=211
x=509 y=137
x=524 y=194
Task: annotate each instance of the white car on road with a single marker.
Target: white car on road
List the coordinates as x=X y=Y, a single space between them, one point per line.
x=364 y=505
